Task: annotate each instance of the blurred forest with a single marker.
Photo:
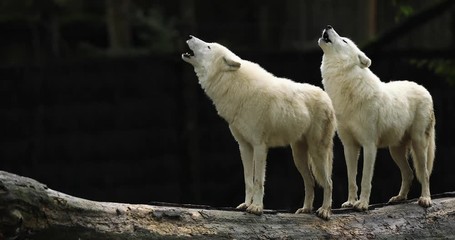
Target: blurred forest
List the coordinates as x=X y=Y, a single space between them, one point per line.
x=96 y=102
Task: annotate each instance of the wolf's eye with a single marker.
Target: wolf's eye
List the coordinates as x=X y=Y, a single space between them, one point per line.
x=208 y=47
x=344 y=41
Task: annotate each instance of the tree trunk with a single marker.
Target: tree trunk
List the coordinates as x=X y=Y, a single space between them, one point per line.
x=408 y=25
x=30 y=210
x=118 y=22
x=191 y=161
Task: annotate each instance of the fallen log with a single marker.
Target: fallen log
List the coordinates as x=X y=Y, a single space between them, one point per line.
x=30 y=210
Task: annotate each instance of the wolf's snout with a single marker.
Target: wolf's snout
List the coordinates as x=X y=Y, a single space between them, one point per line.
x=325 y=37
x=328 y=27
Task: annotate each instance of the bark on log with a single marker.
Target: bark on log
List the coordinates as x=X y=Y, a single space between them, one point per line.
x=30 y=210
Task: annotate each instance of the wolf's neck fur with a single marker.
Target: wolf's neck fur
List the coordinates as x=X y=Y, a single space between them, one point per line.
x=222 y=89
x=347 y=89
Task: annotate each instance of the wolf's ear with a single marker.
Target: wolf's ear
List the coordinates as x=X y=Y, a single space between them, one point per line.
x=232 y=64
x=364 y=60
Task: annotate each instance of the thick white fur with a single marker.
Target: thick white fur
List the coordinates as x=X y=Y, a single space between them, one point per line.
x=265 y=111
x=373 y=114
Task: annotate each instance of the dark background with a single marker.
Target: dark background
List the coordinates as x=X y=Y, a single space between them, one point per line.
x=96 y=102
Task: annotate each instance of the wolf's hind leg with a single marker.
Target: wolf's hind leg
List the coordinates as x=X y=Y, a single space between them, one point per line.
x=301 y=160
x=400 y=156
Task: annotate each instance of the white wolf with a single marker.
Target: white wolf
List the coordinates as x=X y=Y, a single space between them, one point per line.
x=373 y=114
x=266 y=111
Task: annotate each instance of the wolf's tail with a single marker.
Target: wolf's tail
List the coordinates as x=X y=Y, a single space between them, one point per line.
x=431 y=144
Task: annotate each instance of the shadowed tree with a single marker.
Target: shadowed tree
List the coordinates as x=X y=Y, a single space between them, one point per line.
x=118 y=23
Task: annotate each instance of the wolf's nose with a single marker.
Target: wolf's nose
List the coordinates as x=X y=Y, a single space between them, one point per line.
x=329 y=27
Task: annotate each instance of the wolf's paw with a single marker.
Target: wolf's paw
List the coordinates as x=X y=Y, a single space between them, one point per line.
x=348 y=204
x=361 y=205
x=243 y=206
x=397 y=199
x=255 y=209
x=425 y=201
x=324 y=213
x=303 y=210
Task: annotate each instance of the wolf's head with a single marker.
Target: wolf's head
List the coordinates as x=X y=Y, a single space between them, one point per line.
x=342 y=49
x=210 y=57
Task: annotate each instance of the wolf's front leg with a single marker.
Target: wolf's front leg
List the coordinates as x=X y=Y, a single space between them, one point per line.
x=259 y=159
x=246 y=153
x=369 y=158
x=351 y=155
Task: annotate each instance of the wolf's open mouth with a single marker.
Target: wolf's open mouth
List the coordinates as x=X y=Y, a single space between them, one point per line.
x=189 y=54
x=325 y=37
